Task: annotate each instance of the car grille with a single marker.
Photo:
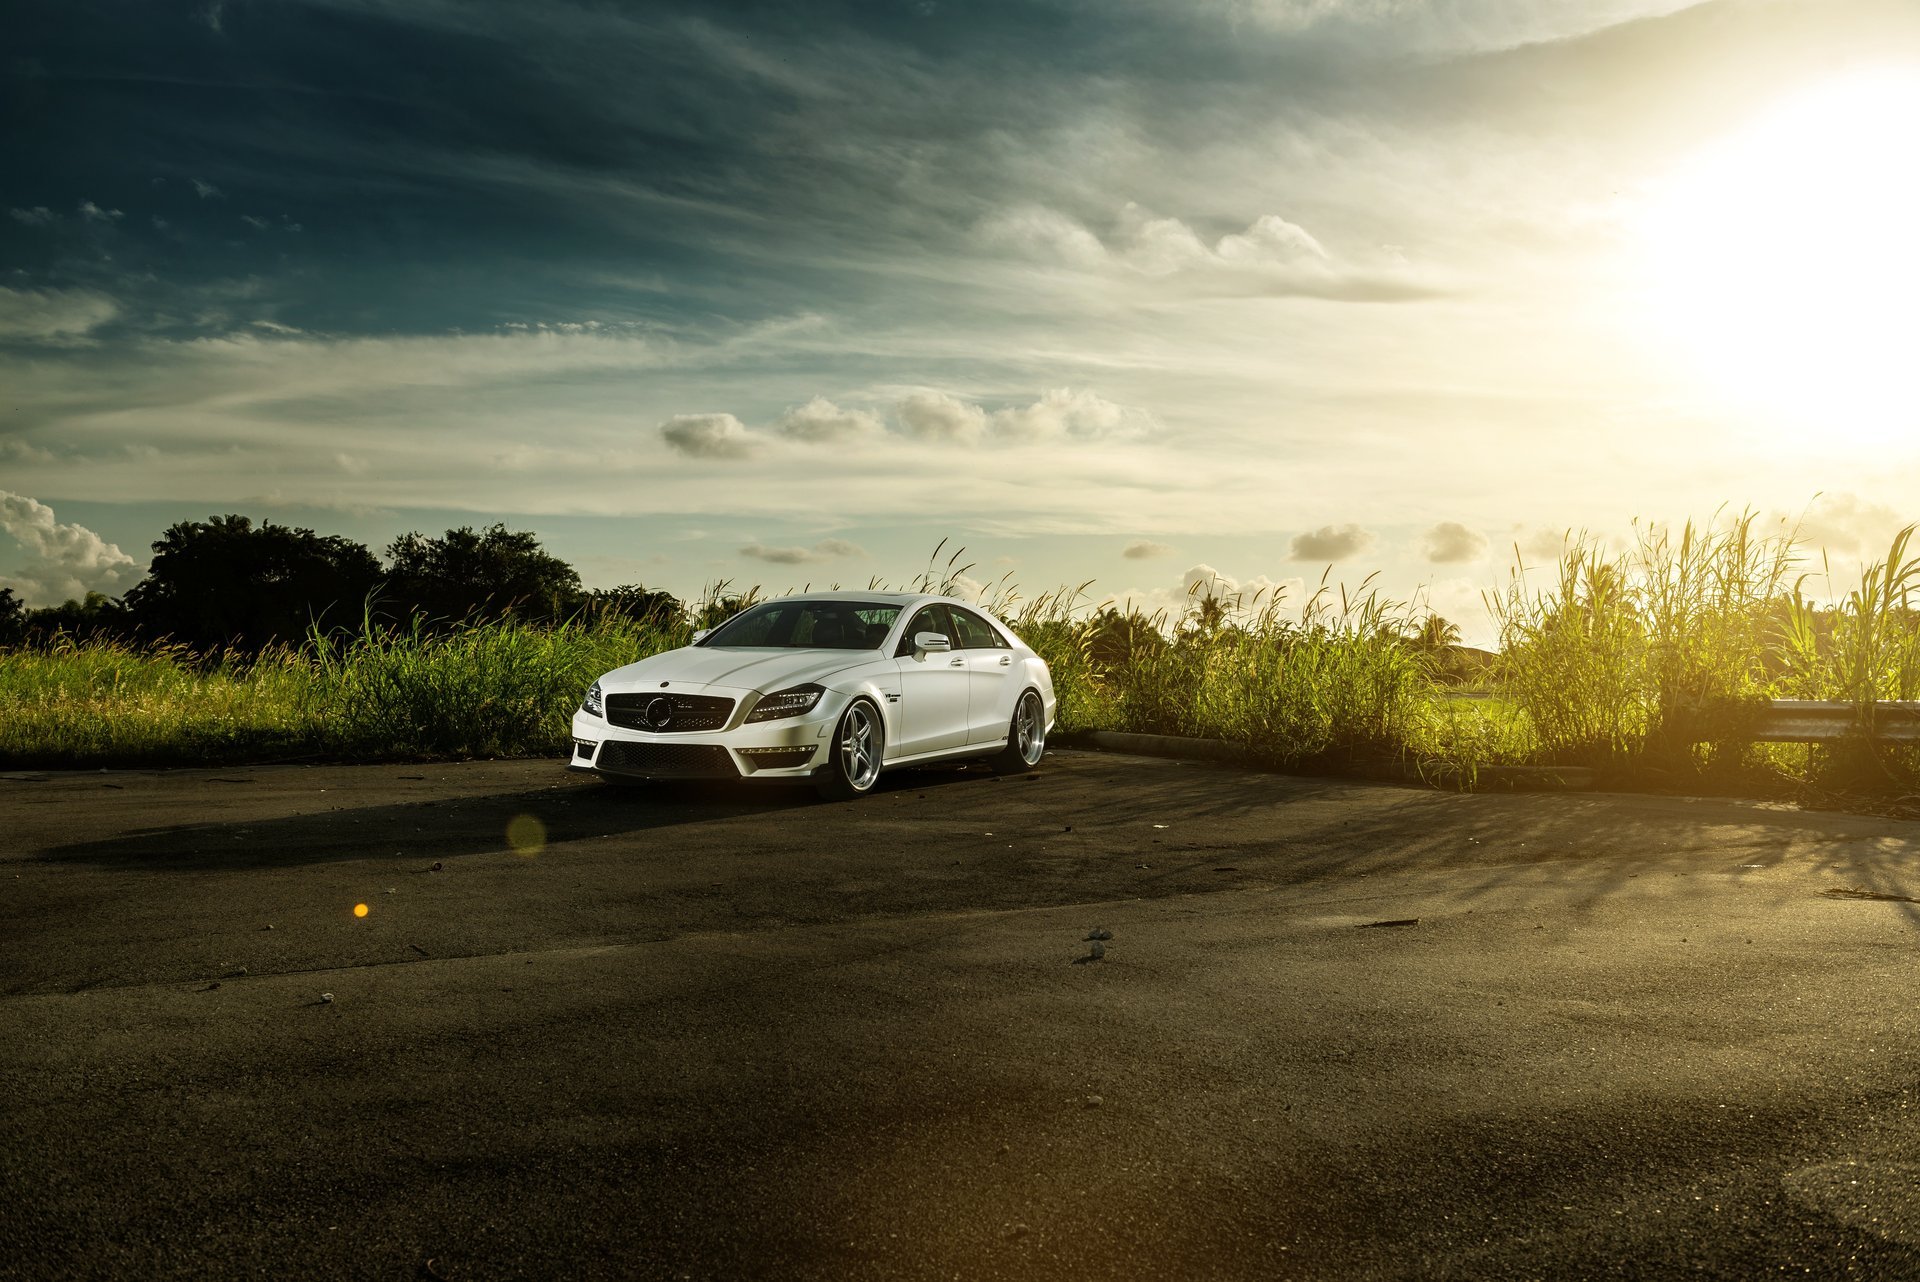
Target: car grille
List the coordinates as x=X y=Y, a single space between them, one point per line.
x=685 y=760
x=685 y=712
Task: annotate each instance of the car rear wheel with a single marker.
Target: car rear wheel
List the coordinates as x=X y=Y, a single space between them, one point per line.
x=1026 y=737
x=853 y=764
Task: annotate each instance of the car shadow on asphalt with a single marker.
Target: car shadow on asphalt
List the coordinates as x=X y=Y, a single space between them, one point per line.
x=425 y=831
x=444 y=828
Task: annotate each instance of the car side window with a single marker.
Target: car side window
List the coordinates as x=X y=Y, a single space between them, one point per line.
x=975 y=632
x=932 y=618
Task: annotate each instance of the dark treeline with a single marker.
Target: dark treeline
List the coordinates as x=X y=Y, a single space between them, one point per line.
x=228 y=583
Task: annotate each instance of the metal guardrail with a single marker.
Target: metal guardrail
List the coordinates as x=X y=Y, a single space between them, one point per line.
x=1808 y=720
x=1820 y=721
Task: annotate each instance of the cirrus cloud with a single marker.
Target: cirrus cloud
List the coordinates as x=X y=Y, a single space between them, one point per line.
x=53 y=314
x=824 y=550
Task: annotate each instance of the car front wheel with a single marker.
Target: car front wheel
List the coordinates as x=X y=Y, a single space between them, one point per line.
x=853 y=766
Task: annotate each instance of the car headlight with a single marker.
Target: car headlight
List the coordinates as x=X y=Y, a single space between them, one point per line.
x=593 y=703
x=786 y=703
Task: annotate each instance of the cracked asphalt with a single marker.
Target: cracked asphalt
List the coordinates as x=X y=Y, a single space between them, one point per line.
x=689 y=1032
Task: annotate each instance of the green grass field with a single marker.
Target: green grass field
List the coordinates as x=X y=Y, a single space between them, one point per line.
x=1645 y=665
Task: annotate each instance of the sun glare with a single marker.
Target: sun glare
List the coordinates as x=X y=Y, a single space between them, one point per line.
x=1784 y=262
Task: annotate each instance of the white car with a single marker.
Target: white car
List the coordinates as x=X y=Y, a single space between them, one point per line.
x=832 y=687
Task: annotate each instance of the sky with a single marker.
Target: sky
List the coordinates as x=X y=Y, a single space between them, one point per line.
x=1147 y=293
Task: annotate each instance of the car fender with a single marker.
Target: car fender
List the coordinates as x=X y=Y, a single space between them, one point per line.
x=880 y=685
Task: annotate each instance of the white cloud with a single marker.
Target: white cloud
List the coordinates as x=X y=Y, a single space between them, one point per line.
x=1847 y=525
x=16 y=450
x=53 y=313
x=38 y=216
x=1145 y=549
x=820 y=421
x=1542 y=546
x=259 y=224
x=1451 y=543
x=206 y=190
x=94 y=214
x=719 y=436
x=1271 y=257
x=64 y=560
x=1045 y=234
x=936 y=416
x=824 y=550
x=1330 y=543
x=1200 y=582
x=1271 y=240
x=1063 y=414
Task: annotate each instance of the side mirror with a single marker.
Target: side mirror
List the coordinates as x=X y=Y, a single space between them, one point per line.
x=701 y=635
x=930 y=643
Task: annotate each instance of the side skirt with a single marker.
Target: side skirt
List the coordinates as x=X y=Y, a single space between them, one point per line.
x=947 y=754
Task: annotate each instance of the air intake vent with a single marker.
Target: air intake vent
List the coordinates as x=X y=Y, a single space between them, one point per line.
x=664 y=760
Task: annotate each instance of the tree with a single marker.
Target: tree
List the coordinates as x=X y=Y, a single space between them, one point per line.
x=477 y=576
x=223 y=582
x=717 y=609
x=632 y=601
x=1206 y=616
x=13 y=618
x=1434 y=635
x=97 y=615
x=1112 y=641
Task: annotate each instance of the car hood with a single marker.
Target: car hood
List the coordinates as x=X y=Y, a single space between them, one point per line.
x=764 y=670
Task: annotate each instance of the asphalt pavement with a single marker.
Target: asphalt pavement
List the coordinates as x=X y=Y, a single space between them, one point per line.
x=1335 y=1030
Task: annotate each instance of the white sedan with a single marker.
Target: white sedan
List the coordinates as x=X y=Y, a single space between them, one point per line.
x=832 y=687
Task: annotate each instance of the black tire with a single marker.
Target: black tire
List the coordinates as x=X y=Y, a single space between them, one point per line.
x=853 y=754
x=1026 y=737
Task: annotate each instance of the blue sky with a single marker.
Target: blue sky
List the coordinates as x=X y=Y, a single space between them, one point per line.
x=1122 y=291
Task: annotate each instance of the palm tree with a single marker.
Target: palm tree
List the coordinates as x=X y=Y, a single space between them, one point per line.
x=1434 y=635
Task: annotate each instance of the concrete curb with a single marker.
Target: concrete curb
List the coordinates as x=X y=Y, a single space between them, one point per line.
x=1486 y=779
x=1165 y=745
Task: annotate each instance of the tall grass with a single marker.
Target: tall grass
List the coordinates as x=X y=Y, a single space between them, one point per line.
x=1660 y=657
x=1649 y=662
x=477 y=690
x=1330 y=680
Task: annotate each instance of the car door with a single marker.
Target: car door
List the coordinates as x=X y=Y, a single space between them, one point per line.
x=989 y=676
x=933 y=689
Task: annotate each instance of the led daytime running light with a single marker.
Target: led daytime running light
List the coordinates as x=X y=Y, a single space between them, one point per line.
x=787 y=703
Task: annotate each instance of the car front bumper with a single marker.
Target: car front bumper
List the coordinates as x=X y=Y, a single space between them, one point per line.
x=790 y=748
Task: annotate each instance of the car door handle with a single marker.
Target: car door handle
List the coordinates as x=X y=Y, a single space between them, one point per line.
x=958 y=663
x=1006 y=661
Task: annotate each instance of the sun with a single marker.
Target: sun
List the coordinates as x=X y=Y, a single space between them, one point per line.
x=1783 y=262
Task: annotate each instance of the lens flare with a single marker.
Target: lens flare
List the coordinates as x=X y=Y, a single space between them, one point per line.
x=359 y=910
x=1782 y=262
x=526 y=835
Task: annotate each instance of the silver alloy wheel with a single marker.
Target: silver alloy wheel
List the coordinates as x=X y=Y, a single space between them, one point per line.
x=1030 y=729
x=859 y=748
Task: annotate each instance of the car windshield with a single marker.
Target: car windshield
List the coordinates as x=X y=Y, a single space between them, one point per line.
x=807 y=625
